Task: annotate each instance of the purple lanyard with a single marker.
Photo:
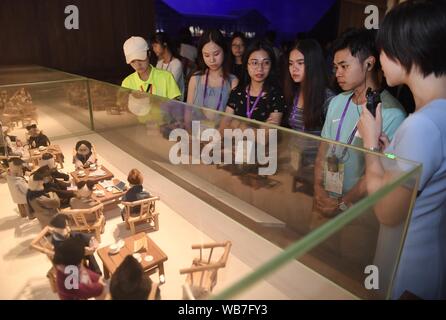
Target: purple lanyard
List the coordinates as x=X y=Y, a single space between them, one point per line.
x=249 y=111
x=341 y=122
x=206 y=90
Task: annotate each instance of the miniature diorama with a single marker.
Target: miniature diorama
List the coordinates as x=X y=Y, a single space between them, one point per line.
x=17 y=109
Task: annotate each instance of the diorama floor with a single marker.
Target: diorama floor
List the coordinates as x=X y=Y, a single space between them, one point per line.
x=183 y=222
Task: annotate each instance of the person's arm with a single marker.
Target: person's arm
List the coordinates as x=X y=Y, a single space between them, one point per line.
x=275 y=118
x=22 y=187
x=190 y=100
x=234 y=83
x=322 y=200
x=278 y=106
x=60 y=175
x=177 y=70
x=173 y=92
x=414 y=144
x=49 y=203
x=191 y=90
x=93 y=288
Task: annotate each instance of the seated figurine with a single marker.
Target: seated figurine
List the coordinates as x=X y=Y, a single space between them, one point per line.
x=53 y=183
x=129 y=282
x=18 y=186
x=136 y=191
x=60 y=231
x=84 y=155
x=36 y=137
x=41 y=203
x=83 y=199
x=70 y=253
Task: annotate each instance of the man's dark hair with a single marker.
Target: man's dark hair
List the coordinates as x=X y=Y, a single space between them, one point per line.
x=360 y=42
x=16 y=161
x=59 y=221
x=32 y=126
x=41 y=173
x=129 y=282
x=47 y=156
x=70 y=252
x=414 y=33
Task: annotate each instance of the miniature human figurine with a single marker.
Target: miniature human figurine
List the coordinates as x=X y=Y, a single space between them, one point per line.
x=52 y=183
x=83 y=199
x=84 y=155
x=18 y=186
x=61 y=231
x=43 y=204
x=14 y=145
x=21 y=97
x=36 y=137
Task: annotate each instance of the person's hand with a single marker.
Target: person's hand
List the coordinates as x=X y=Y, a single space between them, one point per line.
x=370 y=127
x=324 y=204
x=383 y=141
x=94 y=244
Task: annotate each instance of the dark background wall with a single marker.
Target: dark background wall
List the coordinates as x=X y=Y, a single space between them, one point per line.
x=33 y=32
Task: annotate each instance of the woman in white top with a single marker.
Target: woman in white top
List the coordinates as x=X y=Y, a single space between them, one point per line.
x=168 y=58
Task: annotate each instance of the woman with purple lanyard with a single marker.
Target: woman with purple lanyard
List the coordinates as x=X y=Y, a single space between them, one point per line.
x=211 y=84
x=307 y=95
x=258 y=97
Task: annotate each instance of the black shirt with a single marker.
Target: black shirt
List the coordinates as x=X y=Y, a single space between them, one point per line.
x=39 y=141
x=272 y=101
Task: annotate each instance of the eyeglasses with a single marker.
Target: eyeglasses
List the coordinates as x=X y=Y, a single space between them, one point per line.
x=235 y=45
x=256 y=63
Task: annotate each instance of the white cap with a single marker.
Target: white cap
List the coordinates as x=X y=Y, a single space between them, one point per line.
x=135 y=48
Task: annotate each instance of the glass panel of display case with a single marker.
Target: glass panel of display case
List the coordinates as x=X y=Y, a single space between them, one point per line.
x=64 y=104
x=295 y=234
x=29 y=74
x=273 y=181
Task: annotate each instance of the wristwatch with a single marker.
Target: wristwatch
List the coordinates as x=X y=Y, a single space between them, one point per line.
x=374 y=149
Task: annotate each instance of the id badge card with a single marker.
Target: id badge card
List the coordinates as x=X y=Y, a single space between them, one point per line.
x=333 y=175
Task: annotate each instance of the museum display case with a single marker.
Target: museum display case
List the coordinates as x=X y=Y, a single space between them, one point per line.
x=270 y=181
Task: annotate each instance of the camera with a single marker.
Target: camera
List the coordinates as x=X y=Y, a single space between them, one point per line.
x=373 y=99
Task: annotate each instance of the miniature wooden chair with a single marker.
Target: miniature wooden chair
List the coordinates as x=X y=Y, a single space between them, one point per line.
x=146 y=215
x=42 y=244
x=79 y=220
x=202 y=275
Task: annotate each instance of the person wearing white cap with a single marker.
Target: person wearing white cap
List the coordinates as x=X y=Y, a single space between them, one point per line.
x=146 y=77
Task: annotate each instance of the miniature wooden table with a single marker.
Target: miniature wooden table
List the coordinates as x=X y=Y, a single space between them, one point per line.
x=89 y=175
x=35 y=155
x=110 y=197
x=112 y=261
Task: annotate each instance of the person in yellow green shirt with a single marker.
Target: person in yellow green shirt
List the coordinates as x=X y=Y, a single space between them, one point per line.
x=147 y=78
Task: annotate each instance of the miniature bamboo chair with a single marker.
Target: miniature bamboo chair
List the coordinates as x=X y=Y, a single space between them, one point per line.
x=146 y=215
x=202 y=275
x=79 y=220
